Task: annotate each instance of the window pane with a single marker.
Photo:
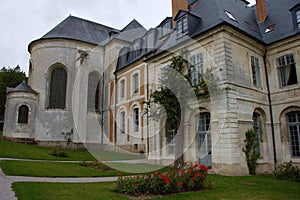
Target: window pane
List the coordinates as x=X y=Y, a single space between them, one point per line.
x=298 y=18
x=122 y=89
x=122 y=122
x=257 y=129
x=287 y=73
x=58 y=88
x=294 y=132
x=196 y=68
x=256 y=72
x=93 y=92
x=136 y=120
x=23 y=114
x=135 y=83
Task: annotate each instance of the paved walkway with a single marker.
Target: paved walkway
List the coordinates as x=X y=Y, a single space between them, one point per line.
x=6 y=192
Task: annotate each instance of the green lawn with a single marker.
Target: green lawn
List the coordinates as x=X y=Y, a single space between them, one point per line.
x=52 y=169
x=251 y=187
x=26 y=151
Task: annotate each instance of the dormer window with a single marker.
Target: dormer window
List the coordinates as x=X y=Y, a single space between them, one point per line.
x=182 y=25
x=270 y=28
x=136 y=49
x=166 y=28
x=297 y=17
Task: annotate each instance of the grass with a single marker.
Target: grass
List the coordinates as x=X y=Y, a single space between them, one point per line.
x=62 y=191
x=25 y=151
x=250 y=187
x=52 y=169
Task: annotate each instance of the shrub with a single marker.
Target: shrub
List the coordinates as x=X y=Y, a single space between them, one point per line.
x=58 y=152
x=288 y=172
x=189 y=178
x=95 y=164
x=250 y=151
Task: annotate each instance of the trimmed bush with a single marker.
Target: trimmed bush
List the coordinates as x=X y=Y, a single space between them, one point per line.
x=288 y=172
x=190 y=178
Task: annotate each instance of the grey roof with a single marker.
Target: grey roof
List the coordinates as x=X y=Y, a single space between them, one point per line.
x=80 y=29
x=133 y=25
x=208 y=14
x=22 y=87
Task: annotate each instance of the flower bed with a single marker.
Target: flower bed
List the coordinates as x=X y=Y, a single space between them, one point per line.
x=189 y=178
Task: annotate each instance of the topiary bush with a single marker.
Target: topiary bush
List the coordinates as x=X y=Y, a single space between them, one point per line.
x=288 y=172
x=190 y=178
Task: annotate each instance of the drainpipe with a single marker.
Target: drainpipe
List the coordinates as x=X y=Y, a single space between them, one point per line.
x=271 y=110
x=147 y=113
x=115 y=121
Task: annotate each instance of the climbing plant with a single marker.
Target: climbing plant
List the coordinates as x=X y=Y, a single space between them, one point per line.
x=169 y=106
x=250 y=151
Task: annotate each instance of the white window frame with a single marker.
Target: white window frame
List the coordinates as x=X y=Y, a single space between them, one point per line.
x=122 y=89
x=171 y=144
x=136 y=122
x=122 y=121
x=297 y=18
x=256 y=72
x=196 y=67
x=135 y=84
x=182 y=25
x=284 y=62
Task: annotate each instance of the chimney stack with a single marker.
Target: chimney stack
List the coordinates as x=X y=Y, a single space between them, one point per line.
x=261 y=11
x=176 y=6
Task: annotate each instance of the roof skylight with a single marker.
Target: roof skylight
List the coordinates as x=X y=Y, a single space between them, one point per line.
x=270 y=28
x=230 y=15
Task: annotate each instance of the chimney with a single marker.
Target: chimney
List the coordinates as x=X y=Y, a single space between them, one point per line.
x=261 y=11
x=176 y=6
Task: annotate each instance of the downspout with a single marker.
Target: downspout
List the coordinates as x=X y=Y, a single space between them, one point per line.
x=271 y=110
x=147 y=114
x=115 y=113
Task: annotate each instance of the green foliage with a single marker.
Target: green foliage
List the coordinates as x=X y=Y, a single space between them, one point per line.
x=9 y=77
x=190 y=178
x=288 y=172
x=250 y=151
x=95 y=165
x=59 y=152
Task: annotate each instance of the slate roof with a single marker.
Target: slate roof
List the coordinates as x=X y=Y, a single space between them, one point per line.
x=22 y=87
x=236 y=13
x=79 y=29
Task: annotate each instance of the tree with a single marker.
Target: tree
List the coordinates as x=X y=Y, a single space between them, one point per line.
x=172 y=99
x=9 y=77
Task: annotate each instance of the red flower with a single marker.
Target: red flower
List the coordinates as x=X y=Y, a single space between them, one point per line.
x=203 y=176
x=197 y=175
x=155 y=173
x=182 y=171
x=203 y=168
x=196 y=165
x=179 y=184
x=190 y=172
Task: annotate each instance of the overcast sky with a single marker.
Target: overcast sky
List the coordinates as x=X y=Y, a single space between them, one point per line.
x=24 y=21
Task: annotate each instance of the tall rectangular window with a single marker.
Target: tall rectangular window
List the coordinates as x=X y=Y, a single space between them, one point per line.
x=293 y=119
x=196 y=68
x=256 y=72
x=204 y=139
x=257 y=123
x=135 y=83
x=287 y=73
x=136 y=119
x=122 y=89
x=122 y=122
x=171 y=142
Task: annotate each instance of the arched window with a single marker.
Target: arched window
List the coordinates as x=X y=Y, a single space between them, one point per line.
x=93 y=92
x=23 y=114
x=136 y=119
x=293 y=125
x=204 y=139
x=58 y=88
x=257 y=128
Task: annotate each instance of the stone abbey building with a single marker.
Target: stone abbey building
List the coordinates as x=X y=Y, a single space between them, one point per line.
x=92 y=80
